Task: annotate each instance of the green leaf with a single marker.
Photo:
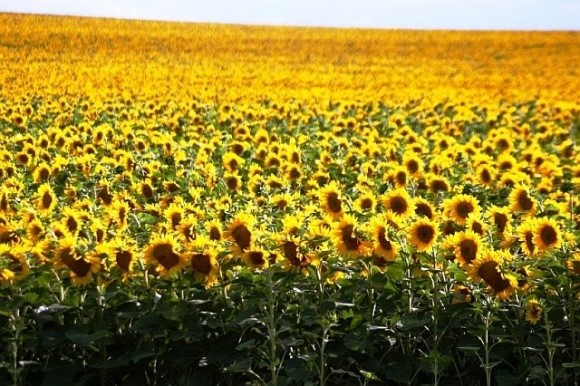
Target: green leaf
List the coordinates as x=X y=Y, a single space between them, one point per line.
x=82 y=338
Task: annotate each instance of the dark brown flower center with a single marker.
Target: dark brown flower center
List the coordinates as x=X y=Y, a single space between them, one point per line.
x=425 y=233
x=46 y=200
x=366 y=204
x=201 y=262
x=488 y=272
x=123 y=259
x=463 y=209
x=439 y=186
x=422 y=209
x=215 y=234
x=485 y=176
x=334 y=203
x=401 y=178
x=468 y=250
x=291 y=252
x=529 y=242
x=257 y=258
x=549 y=235
x=164 y=254
x=412 y=166
x=242 y=236
x=383 y=242
x=349 y=238
x=398 y=204
x=524 y=201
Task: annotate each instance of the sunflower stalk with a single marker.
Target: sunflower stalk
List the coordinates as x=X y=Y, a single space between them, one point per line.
x=15 y=370
x=271 y=326
x=572 y=301
x=551 y=348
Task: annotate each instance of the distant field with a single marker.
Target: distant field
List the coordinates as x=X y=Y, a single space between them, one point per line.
x=191 y=204
x=75 y=56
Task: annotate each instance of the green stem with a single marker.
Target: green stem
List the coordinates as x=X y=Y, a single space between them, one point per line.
x=272 y=333
x=15 y=371
x=322 y=370
x=551 y=349
x=572 y=319
x=487 y=367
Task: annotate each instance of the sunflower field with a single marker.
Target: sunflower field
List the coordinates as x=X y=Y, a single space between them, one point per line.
x=195 y=204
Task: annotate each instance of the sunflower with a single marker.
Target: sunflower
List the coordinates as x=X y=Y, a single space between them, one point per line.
x=233 y=181
x=99 y=230
x=232 y=161
x=346 y=238
x=423 y=234
x=104 y=194
x=573 y=264
x=476 y=223
x=488 y=267
x=214 y=230
x=73 y=219
x=239 y=232
x=485 y=175
x=35 y=230
x=162 y=253
x=383 y=245
x=186 y=229
x=282 y=201
x=293 y=255
x=13 y=263
x=81 y=268
x=424 y=208
x=330 y=199
x=462 y=294
x=292 y=224
x=203 y=260
x=46 y=199
x=413 y=164
x=533 y=311
x=547 y=234
x=399 y=176
x=438 y=184
x=466 y=246
x=366 y=202
x=145 y=189
x=399 y=202
x=121 y=255
x=521 y=201
x=256 y=258
x=174 y=214
x=119 y=213
x=41 y=173
x=320 y=228
x=501 y=218
x=460 y=207
x=525 y=233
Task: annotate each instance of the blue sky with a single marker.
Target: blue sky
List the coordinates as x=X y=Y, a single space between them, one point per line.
x=438 y=14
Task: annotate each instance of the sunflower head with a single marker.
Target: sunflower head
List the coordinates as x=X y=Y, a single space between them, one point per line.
x=348 y=239
x=162 y=254
x=330 y=200
x=423 y=234
x=399 y=203
x=521 y=200
x=239 y=232
x=383 y=244
x=488 y=268
x=466 y=246
x=547 y=234
x=533 y=311
x=460 y=207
